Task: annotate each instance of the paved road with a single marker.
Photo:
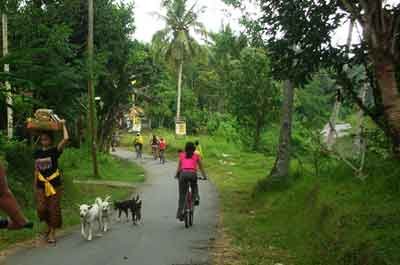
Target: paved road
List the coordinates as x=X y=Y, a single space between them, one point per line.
x=161 y=240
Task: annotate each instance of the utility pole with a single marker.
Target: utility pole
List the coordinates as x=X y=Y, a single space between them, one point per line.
x=178 y=103
x=9 y=100
x=92 y=124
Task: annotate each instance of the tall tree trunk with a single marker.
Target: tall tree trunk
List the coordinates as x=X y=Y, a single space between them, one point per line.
x=10 y=119
x=386 y=77
x=350 y=36
x=178 y=104
x=92 y=111
x=282 y=163
x=359 y=146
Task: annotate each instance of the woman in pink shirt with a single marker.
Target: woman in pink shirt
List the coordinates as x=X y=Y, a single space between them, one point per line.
x=186 y=173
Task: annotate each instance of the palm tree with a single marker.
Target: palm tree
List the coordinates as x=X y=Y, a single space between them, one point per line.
x=180 y=22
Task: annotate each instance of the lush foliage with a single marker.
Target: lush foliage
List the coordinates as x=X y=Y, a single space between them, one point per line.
x=325 y=216
x=254 y=94
x=48 y=61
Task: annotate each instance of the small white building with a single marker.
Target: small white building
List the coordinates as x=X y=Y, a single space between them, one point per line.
x=340 y=130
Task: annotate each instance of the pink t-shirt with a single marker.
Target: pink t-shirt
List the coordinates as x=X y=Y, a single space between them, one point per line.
x=162 y=145
x=189 y=164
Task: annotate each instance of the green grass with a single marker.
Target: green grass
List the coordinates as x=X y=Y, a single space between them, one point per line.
x=76 y=163
x=329 y=219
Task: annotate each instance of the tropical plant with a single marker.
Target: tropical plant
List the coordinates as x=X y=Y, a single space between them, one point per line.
x=180 y=21
x=254 y=96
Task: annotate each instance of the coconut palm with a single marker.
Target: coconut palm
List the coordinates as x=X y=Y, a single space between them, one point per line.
x=176 y=39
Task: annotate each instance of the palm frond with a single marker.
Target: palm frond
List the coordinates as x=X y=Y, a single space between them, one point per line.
x=159 y=16
x=180 y=21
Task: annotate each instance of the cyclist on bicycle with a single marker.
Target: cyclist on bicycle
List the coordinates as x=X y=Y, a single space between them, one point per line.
x=114 y=141
x=186 y=173
x=162 y=146
x=138 y=143
x=154 y=146
x=199 y=150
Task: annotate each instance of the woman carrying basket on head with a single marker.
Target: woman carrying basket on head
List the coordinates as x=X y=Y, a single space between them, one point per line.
x=48 y=184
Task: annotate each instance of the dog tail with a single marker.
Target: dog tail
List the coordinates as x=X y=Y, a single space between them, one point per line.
x=98 y=201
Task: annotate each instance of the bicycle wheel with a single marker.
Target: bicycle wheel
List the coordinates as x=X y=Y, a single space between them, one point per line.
x=191 y=217
x=162 y=159
x=187 y=219
x=188 y=208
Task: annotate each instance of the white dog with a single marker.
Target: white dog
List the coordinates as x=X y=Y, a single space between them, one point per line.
x=105 y=212
x=90 y=214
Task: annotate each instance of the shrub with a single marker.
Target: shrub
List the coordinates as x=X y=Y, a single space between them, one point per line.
x=225 y=126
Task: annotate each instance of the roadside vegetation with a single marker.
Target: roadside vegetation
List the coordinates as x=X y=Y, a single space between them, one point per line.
x=78 y=164
x=329 y=217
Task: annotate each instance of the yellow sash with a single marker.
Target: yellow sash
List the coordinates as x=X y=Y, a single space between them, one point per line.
x=48 y=188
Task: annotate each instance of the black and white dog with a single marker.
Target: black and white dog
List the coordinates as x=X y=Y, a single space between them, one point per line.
x=134 y=206
x=137 y=211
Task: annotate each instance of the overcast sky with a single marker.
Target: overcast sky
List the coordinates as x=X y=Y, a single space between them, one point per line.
x=215 y=15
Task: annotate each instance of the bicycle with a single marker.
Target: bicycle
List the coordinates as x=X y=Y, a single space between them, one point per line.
x=154 y=150
x=113 y=145
x=162 y=156
x=138 y=150
x=188 y=214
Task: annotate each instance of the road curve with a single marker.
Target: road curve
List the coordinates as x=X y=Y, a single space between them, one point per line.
x=160 y=240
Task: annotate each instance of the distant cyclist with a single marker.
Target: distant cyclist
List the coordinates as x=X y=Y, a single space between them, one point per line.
x=154 y=146
x=199 y=149
x=138 y=143
x=188 y=164
x=162 y=146
x=114 y=141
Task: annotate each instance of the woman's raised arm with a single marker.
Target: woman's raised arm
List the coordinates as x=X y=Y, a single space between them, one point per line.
x=65 y=139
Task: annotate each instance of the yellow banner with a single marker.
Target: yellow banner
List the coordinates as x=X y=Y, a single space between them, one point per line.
x=180 y=128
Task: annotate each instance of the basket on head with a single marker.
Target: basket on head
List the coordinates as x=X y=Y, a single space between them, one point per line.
x=44 y=120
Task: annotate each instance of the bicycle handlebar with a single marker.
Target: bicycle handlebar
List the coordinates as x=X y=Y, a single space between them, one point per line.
x=199 y=178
